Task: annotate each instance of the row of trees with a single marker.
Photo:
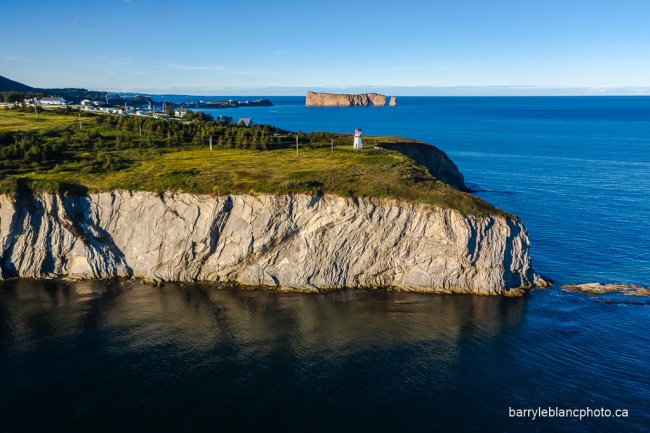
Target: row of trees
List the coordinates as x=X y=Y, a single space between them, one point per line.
x=11 y=97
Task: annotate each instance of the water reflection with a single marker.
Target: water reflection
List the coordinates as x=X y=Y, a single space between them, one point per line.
x=200 y=317
x=124 y=356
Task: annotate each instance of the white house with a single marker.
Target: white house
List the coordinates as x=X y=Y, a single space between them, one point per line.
x=181 y=111
x=52 y=101
x=358 y=140
x=112 y=110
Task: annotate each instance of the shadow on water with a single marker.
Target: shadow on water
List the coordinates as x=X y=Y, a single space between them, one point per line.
x=202 y=315
x=120 y=355
x=93 y=354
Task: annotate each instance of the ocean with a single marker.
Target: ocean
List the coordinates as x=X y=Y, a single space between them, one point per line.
x=123 y=356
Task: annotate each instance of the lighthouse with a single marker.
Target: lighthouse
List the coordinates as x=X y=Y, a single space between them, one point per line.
x=358 y=141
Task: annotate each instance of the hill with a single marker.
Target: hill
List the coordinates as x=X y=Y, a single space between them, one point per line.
x=13 y=91
x=7 y=85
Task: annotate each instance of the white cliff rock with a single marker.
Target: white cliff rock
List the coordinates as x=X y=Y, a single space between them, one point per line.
x=294 y=242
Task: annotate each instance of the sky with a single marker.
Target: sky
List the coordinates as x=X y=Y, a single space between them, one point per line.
x=408 y=47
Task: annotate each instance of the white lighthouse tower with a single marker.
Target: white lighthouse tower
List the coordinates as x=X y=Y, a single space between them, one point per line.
x=358 y=141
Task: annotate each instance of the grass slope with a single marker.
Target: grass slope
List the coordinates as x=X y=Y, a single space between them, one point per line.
x=109 y=153
x=16 y=121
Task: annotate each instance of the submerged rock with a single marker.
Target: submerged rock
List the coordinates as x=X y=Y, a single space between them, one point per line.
x=290 y=242
x=601 y=288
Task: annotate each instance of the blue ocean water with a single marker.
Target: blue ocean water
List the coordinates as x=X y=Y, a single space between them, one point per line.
x=123 y=356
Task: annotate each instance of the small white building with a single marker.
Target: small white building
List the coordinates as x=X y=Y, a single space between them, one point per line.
x=52 y=101
x=181 y=111
x=358 y=140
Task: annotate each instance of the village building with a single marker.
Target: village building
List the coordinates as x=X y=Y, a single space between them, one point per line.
x=113 y=110
x=246 y=121
x=52 y=101
x=181 y=112
x=224 y=120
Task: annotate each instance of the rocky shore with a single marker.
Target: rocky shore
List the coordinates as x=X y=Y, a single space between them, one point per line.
x=603 y=288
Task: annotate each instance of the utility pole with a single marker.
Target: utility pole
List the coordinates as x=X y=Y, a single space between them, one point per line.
x=296 y=144
x=140 y=127
x=210 y=139
x=80 y=119
x=332 y=149
x=35 y=109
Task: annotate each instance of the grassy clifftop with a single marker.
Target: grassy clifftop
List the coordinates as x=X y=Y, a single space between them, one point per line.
x=56 y=153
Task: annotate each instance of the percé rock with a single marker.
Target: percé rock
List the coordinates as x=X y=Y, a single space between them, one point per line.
x=293 y=242
x=315 y=99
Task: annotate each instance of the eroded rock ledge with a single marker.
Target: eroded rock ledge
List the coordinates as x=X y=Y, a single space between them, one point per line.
x=603 y=288
x=293 y=242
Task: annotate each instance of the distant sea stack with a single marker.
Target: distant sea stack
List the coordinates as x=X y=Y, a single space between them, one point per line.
x=315 y=99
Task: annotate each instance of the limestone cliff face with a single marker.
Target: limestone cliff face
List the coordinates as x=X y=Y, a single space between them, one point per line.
x=295 y=242
x=345 y=100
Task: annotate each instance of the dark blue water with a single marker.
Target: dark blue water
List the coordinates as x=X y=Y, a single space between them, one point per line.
x=123 y=356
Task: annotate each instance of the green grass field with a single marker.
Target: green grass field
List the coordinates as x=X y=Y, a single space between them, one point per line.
x=15 y=121
x=95 y=158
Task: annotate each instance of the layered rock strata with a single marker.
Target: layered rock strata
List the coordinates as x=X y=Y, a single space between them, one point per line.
x=292 y=242
x=315 y=99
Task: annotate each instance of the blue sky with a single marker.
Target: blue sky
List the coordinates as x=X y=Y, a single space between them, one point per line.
x=284 y=47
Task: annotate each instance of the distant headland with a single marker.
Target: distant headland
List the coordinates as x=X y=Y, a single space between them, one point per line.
x=13 y=92
x=315 y=99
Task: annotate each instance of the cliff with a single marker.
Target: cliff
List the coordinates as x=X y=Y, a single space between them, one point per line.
x=314 y=99
x=296 y=242
x=435 y=160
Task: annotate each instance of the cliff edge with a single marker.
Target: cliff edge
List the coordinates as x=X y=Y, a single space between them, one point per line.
x=290 y=242
x=433 y=159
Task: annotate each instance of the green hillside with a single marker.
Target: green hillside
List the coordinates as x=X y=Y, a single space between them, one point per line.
x=7 y=85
